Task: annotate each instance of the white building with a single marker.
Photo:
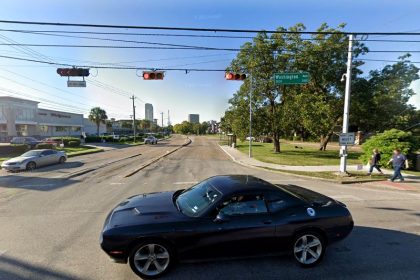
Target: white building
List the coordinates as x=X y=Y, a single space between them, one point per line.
x=148 y=112
x=22 y=117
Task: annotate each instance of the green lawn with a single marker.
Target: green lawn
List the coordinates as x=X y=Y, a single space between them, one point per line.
x=289 y=155
x=81 y=150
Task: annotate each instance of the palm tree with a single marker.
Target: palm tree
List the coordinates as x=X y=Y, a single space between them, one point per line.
x=98 y=116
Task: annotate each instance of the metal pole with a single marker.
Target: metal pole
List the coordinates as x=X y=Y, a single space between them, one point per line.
x=343 y=150
x=134 y=118
x=250 y=118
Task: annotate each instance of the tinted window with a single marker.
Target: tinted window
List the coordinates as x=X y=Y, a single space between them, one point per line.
x=241 y=205
x=278 y=201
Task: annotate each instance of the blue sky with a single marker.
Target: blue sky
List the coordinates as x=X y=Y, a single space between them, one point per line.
x=204 y=93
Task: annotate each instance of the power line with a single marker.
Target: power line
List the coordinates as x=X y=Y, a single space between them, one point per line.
x=200 y=29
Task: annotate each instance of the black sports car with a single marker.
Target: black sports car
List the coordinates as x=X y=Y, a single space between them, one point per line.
x=229 y=216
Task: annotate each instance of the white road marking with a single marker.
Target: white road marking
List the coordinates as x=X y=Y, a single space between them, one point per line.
x=185 y=183
x=346 y=197
x=2 y=252
x=116 y=183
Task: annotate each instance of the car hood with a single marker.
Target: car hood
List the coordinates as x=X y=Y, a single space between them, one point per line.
x=144 y=209
x=19 y=159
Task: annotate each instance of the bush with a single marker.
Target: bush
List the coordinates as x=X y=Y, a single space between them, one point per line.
x=387 y=142
x=13 y=149
x=73 y=144
x=66 y=140
x=45 y=146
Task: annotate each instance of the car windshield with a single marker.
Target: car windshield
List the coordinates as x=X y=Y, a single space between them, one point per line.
x=31 y=154
x=196 y=200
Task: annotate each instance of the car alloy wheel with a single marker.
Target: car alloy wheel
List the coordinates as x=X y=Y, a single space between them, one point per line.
x=62 y=160
x=308 y=249
x=150 y=260
x=30 y=166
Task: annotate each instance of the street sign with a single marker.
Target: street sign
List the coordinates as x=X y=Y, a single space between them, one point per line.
x=347 y=139
x=76 y=83
x=297 y=78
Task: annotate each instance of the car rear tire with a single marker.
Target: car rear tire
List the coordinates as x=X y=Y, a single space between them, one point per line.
x=308 y=248
x=30 y=166
x=62 y=160
x=151 y=259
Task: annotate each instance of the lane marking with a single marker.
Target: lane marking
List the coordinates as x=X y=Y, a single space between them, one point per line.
x=346 y=197
x=185 y=183
x=2 y=252
x=116 y=183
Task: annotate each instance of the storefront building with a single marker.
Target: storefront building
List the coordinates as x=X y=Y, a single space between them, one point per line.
x=21 y=117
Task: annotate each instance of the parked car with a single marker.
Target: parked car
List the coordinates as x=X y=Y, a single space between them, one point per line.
x=150 y=140
x=25 y=140
x=34 y=159
x=51 y=141
x=226 y=216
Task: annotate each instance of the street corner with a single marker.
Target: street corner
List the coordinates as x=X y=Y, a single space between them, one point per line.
x=406 y=185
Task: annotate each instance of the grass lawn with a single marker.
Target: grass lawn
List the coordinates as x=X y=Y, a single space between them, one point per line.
x=353 y=176
x=81 y=150
x=289 y=155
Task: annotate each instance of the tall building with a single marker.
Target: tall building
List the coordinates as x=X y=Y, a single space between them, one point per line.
x=194 y=118
x=148 y=112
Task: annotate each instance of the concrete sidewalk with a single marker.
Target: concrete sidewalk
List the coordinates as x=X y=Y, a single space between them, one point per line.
x=243 y=159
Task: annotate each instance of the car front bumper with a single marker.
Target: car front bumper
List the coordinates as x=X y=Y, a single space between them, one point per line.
x=14 y=167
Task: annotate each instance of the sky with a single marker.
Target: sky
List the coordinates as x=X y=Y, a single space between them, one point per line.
x=204 y=93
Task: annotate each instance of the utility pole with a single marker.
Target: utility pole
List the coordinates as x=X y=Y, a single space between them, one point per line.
x=134 y=118
x=250 y=118
x=343 y=150
x=169 y=121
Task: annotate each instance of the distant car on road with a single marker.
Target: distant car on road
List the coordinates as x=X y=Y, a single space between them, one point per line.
x=150 y=140
x=34 y=159
x=25 y=140
x=252 y=138
x=223 y=216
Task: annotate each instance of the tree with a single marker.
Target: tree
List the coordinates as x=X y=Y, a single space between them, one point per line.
x=98 y=116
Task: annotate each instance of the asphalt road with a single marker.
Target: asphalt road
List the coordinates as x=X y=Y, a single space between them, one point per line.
x=50 y=230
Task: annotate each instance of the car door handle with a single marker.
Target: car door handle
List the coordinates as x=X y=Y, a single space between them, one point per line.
x=267 y=222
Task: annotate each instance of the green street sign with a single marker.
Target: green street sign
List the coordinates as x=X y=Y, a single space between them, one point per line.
x=291 y=78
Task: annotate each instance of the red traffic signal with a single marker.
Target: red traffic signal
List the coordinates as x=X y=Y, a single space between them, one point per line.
x=153 y=75
x=73 y=72
x=235 y=76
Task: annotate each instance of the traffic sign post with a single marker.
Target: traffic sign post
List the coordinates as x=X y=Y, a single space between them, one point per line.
x=297 y=78
x=76 y=83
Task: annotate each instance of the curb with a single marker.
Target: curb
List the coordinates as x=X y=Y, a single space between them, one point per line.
x=157 y=159
x=85 y=153
x=297 y=175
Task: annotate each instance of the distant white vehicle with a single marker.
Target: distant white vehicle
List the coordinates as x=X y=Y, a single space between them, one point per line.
x=150 y=140
x=33 y=159
x=252 y=138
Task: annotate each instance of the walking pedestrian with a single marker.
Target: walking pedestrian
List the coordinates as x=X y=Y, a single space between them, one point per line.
x=398 y=160
x=374 y=162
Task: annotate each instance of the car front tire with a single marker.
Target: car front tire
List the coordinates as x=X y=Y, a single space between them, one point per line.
x=151 y=259
x=30 y=166
x=62 y=160
x=308 y=248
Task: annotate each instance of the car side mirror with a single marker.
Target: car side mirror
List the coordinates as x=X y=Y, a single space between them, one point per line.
x=221 y=218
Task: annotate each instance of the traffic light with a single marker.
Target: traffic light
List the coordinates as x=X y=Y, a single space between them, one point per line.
x=235 y=76
x=153 y=75
x=73 y=72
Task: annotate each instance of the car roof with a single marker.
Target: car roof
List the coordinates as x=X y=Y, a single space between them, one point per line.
x=230 y=184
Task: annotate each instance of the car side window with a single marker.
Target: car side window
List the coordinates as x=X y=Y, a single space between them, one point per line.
x=277 y=202
x=47 y=153
x=244 y=204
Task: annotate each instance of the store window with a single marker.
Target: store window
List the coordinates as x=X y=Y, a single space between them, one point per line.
x=60 y=128
x=43 y=128
x=25 y=114
x=76 y=128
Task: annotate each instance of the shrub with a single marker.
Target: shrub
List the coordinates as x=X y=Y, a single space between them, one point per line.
x=388 y=141
x=45 y=146
x=74 y=144
x=66 y=140
x=13 y=149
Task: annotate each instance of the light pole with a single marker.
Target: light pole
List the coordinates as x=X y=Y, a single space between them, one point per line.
x=343 y=149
